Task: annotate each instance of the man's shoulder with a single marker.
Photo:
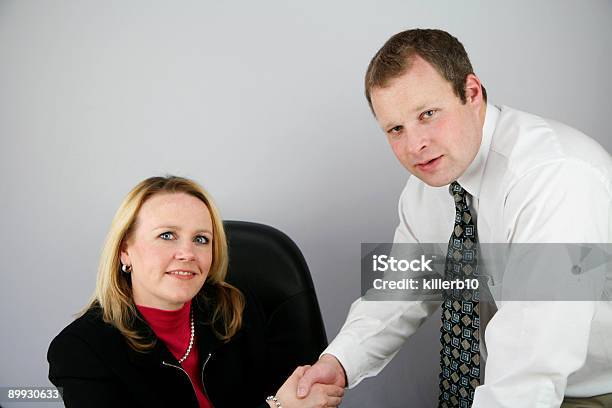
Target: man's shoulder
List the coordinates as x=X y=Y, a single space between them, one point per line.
x=523 y=143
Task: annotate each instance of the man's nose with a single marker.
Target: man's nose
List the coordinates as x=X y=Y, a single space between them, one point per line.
x=416 y=142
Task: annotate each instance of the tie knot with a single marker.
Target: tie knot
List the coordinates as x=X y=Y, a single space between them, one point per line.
x=458 y=193
x=455 y=188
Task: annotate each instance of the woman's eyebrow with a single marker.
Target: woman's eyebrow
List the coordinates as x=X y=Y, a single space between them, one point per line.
x=174 y=227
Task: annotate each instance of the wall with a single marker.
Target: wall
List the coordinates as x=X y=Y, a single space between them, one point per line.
x=262 y=102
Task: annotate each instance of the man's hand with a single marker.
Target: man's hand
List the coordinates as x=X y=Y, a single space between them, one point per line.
x=327 y=370
x=321 y=395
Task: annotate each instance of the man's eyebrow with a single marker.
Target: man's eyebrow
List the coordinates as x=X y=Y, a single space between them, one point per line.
x=174 y=227
x=420 y=107
x=390 y=125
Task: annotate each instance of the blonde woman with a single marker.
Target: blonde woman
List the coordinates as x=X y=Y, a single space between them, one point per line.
x=163 y=328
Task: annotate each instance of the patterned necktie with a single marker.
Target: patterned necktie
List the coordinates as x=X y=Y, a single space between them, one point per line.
x=460 y=354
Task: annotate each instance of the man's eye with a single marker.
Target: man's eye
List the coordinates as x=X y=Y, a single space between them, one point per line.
x=201 y=239
x=427 y=114
x=166 y=236
x=395 y=129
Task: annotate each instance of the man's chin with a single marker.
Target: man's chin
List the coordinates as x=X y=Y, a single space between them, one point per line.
x=432 y=180
x=440 y=184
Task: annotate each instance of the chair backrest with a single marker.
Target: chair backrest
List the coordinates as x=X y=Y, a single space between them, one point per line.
x=270 y=264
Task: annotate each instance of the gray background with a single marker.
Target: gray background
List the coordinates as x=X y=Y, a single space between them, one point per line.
x=262 y=102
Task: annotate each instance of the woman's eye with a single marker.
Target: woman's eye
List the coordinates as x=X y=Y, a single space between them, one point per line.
x=201 y=239
x=166 y=236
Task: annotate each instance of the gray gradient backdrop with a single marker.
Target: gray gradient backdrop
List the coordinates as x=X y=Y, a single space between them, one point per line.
x=262 y=102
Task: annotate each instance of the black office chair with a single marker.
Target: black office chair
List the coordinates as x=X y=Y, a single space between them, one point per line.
x=270 y=264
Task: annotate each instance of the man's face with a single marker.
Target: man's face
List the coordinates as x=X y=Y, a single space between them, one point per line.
x=431 y=132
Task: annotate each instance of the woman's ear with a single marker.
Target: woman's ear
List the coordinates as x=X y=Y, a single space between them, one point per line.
x=124 y=254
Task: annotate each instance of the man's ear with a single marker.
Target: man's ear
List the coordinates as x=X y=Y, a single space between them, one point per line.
x=473 y=90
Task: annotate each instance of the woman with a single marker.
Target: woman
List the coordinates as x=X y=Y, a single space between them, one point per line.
x=163 y=328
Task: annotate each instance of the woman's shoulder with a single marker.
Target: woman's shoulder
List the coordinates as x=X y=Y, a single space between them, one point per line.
x=83 y=343
x=90 y=325
x=207 y=302
x=251 y=316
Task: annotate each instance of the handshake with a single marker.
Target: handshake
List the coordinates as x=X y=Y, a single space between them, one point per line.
x=317 y=386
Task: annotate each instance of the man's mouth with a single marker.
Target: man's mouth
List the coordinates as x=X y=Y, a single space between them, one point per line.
x=429 y=164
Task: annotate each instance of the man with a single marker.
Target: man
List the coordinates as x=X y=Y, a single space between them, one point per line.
x=515 y=178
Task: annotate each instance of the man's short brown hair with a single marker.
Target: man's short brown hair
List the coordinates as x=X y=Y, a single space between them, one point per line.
x=443 y=51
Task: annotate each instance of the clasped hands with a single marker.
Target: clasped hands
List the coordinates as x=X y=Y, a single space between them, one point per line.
x=317 y=386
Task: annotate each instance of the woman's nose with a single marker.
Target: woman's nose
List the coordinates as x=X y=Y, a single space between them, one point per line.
x=185 y=252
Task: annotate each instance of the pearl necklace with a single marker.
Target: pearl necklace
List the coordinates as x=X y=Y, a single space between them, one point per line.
x=190 y=342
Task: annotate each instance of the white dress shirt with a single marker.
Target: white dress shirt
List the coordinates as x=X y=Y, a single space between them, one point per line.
x=533 y=180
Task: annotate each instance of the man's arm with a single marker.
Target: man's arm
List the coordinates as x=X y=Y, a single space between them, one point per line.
x=374 y=331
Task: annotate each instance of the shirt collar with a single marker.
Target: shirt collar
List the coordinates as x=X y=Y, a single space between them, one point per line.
x=471 y=179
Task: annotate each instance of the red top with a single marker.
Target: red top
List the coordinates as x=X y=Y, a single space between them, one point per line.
x=173 y=327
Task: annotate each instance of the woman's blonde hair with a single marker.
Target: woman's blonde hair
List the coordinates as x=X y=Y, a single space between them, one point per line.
x=113 y=292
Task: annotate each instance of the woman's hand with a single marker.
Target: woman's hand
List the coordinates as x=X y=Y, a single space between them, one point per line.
x=320 y=395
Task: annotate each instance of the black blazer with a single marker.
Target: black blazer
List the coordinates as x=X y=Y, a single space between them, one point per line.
x=95 y=367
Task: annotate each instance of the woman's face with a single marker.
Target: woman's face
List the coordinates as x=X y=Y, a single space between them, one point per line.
x=170 y=250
